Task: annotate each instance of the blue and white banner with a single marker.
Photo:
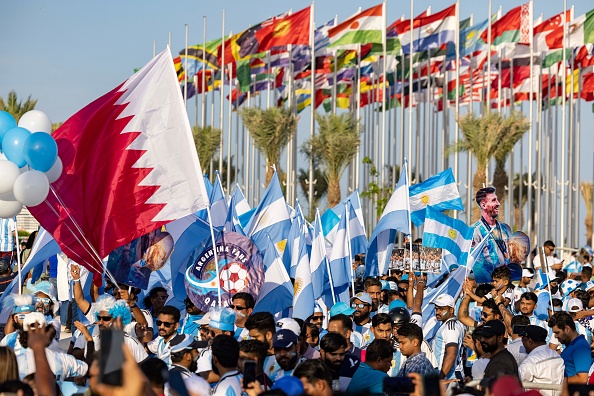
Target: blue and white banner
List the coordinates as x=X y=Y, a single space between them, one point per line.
x=451 y=234
x=439 y=191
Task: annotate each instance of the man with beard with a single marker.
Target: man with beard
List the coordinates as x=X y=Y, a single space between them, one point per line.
x=167 y=323
x=23 y=305
x=316 y=378
x=254 y=350
x=373 y=287
x=342 y=325
x=502 y=362
x=191 y=326
x=286 y=352
x=243 y=304
x=342 y=365
x=221 y=322
x=448 y=341
x=576 y=355
x=184 y=356
x=225 y=353
x=362 y=303
x=495 y=252
x=261 y=327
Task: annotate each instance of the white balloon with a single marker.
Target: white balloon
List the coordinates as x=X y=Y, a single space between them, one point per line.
x=9 y=171
x=55 y=171
x=10 y=209
x=9 y=196
x=31 y=188
x=36 y=121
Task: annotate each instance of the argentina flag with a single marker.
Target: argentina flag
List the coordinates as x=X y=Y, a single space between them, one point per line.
x=439 y=191
x=444 y=232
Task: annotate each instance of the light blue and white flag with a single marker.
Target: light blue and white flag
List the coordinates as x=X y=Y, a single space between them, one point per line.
x=439 y=191
x=276 y=293
x=356 y=227
x=303 y=299
x=291 y=255
x=271 y=218
x=396 y=217
x=218 y=206
x=340 y=259
x=318 y=261
x=452 y=286
x=241 y=204
x=476 y=251
x=447 y=233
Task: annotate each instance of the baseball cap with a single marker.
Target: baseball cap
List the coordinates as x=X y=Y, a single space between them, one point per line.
x=182 y=342
x=589 y=286
x=526 y=273
x=397 y=304
x=535 y=333
x=385 y=285
x=289 y=324
x=363 y=297
x=491 y=328
x=574 y=305
x=568 y=286
x=341 y=308
x=292 y=386
x=444 y=300
x=284 y=339
x=222 y=319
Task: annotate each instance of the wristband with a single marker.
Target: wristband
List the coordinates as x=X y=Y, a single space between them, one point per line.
x=76 y=280
x=501 y=303
x=133 y=306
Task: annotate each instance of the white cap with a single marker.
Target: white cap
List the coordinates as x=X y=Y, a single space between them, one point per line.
x=288 y=324
x=589 y=285
x=574 y=305
x=526 y=273
x=444 y=300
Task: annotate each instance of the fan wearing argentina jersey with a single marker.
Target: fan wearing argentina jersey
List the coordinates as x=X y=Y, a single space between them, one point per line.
x=373 y=287
x=342 y=325
x=22 y=305
x=362 y=303
x=167 y=323
x=225 y=353
x=342 y=365
x=243 y=304
x=448 y=342
x=191 y=326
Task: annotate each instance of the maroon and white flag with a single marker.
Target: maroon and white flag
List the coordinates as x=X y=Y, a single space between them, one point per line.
x=129 y=167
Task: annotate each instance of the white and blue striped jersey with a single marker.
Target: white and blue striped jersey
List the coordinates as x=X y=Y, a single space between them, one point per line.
x=161 y=349
x=450 y=333
x=7 y=228
x=62 y=365
x=229 y=385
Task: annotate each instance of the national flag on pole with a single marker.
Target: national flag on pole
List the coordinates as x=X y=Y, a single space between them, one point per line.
x=218 y=206
x=130 y=167
x=340 y=259
x=439 y=191
x=318 y=261
x=293 y=29
x=513 y=27
x=303 y=299
x=276 y=293
x=447 y=233
x=356 y=229
x=201 y=56
x=396 y=217
x=470 y=39
x=546 y=34
x=271 y=217
x=363 y=28
x=291 y=254
x=428 y=32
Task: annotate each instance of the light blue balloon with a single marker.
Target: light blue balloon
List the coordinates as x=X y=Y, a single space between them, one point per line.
x=40 y=151
x=13 y=143
x=7 y=122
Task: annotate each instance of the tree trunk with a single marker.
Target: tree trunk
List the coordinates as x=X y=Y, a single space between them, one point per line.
x=333 y=192
x=500 y=182
x=269 y=172
x=518 y=217
x=587 y=191
x=477 y=184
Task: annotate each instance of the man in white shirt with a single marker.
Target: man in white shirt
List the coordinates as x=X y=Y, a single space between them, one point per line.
x=515 y=345
x=167 y=323
x=225 y=353
x=542 y=365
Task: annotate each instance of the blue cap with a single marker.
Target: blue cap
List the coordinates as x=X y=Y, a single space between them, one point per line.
x=292 y=386
x=404 y=277
x=363 y=297
x=385 y=285
x=397 y=304
x=341 y=308
x=222 y=319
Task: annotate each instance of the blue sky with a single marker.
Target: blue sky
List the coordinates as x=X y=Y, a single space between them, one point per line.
x=68 y=53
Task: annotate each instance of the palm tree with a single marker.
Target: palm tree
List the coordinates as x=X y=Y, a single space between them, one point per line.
x=482 y=136
x=17 y=108
x=511 y=131
x=335 y=145
x=207 y=142
x=587 y=191
x=271 y=130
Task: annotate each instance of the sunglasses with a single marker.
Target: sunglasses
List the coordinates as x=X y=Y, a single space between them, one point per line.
x=358 y=306
x=162 y=298
x=317 y=318
x=44 y=300
x=237 y=307
x=166 y=324
x=484 y=314
x=104 y=318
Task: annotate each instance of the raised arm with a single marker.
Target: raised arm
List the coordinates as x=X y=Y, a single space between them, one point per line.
x=77 y=290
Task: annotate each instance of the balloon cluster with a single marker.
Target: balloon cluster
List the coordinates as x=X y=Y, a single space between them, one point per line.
x=29 y=161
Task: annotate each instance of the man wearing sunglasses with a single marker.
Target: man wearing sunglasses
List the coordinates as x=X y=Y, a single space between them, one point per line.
x=221 y=322
x=362 y=304
x=167 y=323
x=243 y=304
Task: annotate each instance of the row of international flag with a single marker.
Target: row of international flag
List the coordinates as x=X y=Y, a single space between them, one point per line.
x=270 y=54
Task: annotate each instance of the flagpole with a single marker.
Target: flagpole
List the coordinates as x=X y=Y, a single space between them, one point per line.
x=214 y=249
x=410 y=91
x=229 y=120
x=18 y=250
x=312 y=122
x=531 y=130
x=457 y=105
x=186 y=70
x=489 y=39
x=385 y=64
x=222 y=96
x=563 y=131
x=358 y=160
x=203 y=120
x=348 y=235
